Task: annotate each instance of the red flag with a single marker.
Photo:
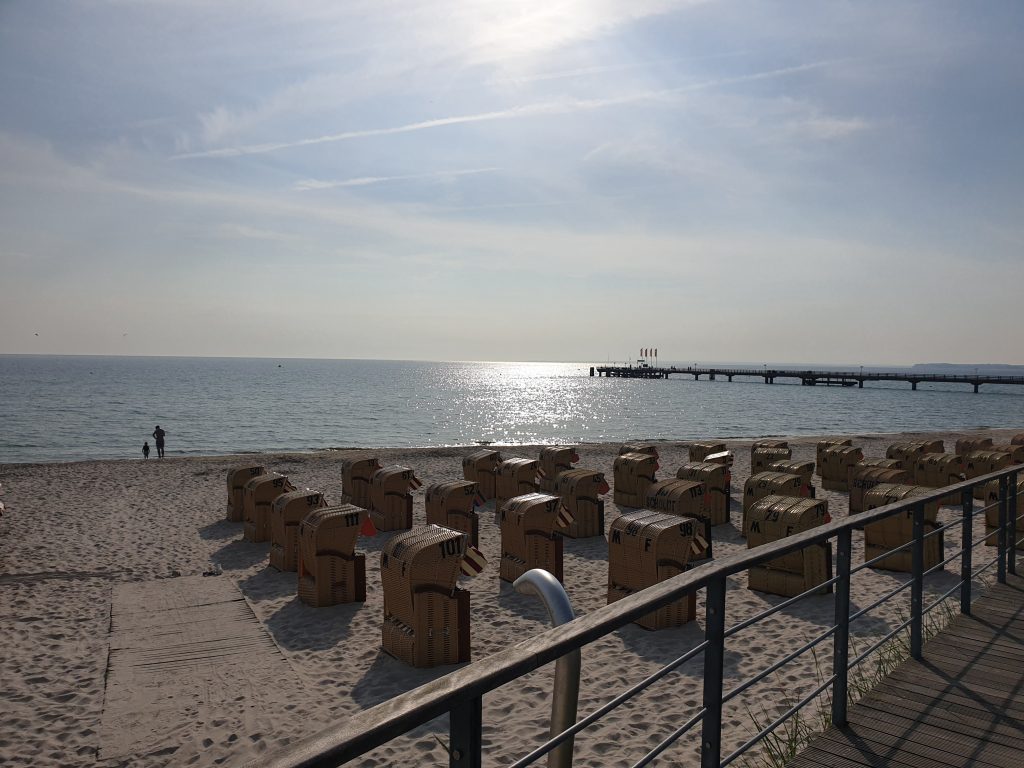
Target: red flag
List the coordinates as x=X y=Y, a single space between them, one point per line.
x=368 y=528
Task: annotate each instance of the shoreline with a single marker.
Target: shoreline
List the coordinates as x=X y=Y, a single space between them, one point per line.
x=78 y=536
x=682 y=443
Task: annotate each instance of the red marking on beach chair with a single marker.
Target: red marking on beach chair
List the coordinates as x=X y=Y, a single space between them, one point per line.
x=473 y=562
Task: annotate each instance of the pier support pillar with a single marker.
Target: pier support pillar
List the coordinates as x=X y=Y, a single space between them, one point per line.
x=913 y=385
x=711 y=376
x=730 y=379
x=696 y=377
x=591 y=370
x=976 y=387
x=860 y=384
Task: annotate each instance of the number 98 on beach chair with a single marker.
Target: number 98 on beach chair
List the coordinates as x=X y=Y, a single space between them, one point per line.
x=646 y=547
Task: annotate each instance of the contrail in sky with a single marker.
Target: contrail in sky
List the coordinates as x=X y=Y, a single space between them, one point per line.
x=362 y=181
x=526 y=110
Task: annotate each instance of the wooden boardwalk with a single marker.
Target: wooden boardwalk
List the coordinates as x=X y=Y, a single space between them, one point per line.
x=182 y=651
x=961 y=705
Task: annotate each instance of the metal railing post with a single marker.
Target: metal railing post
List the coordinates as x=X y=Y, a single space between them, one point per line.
x=917 y=587
x=566 y=694
x=1012 y=556
x=465 y=734
x=1001 y=560
x=841 y=643
x=967 y=545
x=714 y=662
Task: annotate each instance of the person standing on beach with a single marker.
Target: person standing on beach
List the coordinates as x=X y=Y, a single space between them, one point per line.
x=158 y=435
x=145 y=450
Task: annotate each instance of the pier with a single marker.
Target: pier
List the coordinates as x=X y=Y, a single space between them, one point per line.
x=807 y=378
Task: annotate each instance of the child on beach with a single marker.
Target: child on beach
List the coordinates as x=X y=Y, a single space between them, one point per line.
x=145 y=449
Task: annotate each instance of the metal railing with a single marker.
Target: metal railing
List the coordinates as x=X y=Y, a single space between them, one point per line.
x=460 y=693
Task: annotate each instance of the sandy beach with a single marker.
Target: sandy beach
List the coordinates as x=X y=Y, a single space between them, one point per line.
x=81 y=541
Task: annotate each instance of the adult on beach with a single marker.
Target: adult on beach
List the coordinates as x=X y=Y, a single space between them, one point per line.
x=158 y=435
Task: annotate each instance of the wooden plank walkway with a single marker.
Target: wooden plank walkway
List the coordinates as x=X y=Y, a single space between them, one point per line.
x=182 y=651
x=961 y=705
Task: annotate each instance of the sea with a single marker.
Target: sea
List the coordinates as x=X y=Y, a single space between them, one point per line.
x=70 y=408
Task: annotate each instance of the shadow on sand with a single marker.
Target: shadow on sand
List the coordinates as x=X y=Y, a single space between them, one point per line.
x=387 y=677
x=240 y=554
x=222 y=529
x=300 y=627
x=269 y=584
x=522 y=605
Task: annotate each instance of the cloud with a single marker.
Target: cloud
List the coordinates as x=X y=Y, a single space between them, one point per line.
x=825 y=127
x=502 y=114
x=360 y=49
x=308 y=184
x=565 y=106
x=604 y=69
x=245 y=232
x=394 y=230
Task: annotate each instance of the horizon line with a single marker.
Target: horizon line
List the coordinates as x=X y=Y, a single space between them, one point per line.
x=587 y=361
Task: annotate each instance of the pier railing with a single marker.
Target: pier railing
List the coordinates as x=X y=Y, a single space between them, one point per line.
x=460 y=693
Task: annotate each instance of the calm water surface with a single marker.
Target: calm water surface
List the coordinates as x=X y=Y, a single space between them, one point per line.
x=67 y=408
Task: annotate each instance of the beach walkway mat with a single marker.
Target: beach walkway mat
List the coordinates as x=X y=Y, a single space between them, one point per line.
x=182 y=650
x=961 y=705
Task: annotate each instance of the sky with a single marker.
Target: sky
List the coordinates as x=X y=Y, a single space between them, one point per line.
x=799 y=181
